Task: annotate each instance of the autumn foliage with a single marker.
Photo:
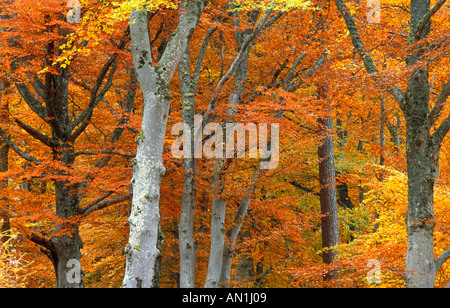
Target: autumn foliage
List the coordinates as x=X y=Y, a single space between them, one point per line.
x=301 y=67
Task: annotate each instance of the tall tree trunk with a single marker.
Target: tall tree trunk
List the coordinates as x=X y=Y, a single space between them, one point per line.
x=186 y=226
x=148 y=167
x=422 y=159
x=221 y=254
x=66 y=244
x=422 y=146
x=4 y=151
x=188 y=86
x=382 y=132
x=219 y=206
x=328 y=197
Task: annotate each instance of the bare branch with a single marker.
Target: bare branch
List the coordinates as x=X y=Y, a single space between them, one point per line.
x=440 y=261
x=107 y=152
x=201 y=55
x=427 y=17
x=36 y=134
x=99 y=206
x=181 y=36
x=439 y=105
x=305 y=189
x=234 y=66
x=31 y=101
x=41 y=241
x=356 y=39
x=16 y=149
x=399 y=96
x=443 y=129
x=110 y=66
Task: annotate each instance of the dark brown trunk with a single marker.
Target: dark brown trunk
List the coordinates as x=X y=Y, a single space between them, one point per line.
x=4 y=151
x=328 y=198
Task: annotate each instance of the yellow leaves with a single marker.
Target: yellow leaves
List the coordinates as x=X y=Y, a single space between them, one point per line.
x=13 y=269
x=278 y=5
x=124 y=9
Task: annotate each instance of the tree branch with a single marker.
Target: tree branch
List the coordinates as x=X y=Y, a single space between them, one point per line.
x=201 y=55
x=290 y=77
x=366 y=56
x=97 y=205
x=440 y=261
x=180 y=37
x=356 y=39
x=16 y=149
x=39 y=87
x=110 y=66
x=108 y=152
x=427 y=17
x=234 y=66
x=305 y=189
x=86 y=116
x=32 y=102
x=36 y=134
x=41 y=241
x=444 y=128
x=439 y=105
x=399 y=96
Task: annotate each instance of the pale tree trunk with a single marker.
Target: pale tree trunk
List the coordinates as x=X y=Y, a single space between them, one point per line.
x=188 y=86
x=239 y=67
x=148 y=168
x=186 y=226
x=219 y=206
x=234 y=101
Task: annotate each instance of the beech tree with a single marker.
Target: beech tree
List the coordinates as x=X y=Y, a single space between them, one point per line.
x=93 y=194
x=423 y=143
x=148 y=167
x=45 y=87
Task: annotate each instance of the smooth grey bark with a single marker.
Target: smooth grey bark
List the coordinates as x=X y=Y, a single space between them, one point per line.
x=233 y=233
x=186 y=225
x=219 y=207
x=234 y=101
x=245 y=41
x=422 y=146
x=188 y=86
x=148 y=167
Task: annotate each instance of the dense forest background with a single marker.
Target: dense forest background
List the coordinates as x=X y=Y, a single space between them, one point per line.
x=359 y=195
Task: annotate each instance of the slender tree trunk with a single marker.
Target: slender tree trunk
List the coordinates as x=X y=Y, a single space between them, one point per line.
x=188 y=86
x=328 y=197
x=186 y=226
x=382 y=132
x=4 y=151
x=148 y=168
x=422 y=147
x=422 y=158
x=221 y=253
x=66 y=245
x=219 y=206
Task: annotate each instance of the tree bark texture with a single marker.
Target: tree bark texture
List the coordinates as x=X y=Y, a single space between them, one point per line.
x=148 y=169
x=328 y=195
